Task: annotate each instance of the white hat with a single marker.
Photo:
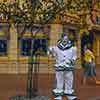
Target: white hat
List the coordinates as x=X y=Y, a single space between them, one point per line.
x=65 y=38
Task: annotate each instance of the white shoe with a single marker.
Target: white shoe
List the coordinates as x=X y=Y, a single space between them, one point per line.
x=57 y=92
x=68 y=91
x=58 y=98
x=71 y=97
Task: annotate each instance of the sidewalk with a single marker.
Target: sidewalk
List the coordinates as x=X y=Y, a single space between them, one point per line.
x=15 y=84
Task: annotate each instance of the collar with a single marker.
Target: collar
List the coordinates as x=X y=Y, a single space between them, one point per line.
x=64 y=47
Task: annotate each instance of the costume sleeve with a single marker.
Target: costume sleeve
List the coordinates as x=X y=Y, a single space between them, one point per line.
x=74 y=53
x=51 y=50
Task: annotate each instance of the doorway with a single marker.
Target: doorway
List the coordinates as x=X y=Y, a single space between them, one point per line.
x=86 y=38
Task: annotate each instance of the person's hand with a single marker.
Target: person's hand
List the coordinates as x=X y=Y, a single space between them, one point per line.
x=72 y=61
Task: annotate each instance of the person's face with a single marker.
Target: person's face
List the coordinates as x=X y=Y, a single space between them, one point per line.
x=65 y=41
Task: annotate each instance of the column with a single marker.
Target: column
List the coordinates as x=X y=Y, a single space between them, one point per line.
x=13 y=50
x=78 y=65
x=56 y=31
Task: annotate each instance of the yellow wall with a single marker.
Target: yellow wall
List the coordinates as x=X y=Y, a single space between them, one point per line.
x=15 y=63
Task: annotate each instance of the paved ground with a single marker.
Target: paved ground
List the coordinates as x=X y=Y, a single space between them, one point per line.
x=12 y=85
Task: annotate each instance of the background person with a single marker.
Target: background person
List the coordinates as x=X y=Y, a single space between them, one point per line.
x=89 y=65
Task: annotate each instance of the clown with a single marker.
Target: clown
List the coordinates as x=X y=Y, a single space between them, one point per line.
x=65 y=54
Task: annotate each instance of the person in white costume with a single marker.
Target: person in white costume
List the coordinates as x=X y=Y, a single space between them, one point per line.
x=65 y=54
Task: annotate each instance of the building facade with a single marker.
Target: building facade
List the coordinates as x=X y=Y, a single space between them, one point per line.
x=16 y=41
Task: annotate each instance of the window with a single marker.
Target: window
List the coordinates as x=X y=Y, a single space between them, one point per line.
x=34 y=42
x=25 y=46
x=3 y=47
x=4 y=38
x=39 y=46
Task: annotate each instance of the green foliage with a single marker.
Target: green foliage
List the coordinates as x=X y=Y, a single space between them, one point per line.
x=41 y=11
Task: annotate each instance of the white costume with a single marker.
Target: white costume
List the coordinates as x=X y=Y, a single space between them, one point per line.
x=64 y=70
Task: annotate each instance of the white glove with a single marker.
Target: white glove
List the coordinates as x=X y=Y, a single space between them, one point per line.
x=72 y=61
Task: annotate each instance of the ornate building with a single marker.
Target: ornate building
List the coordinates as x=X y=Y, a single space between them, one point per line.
x=22 y=20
